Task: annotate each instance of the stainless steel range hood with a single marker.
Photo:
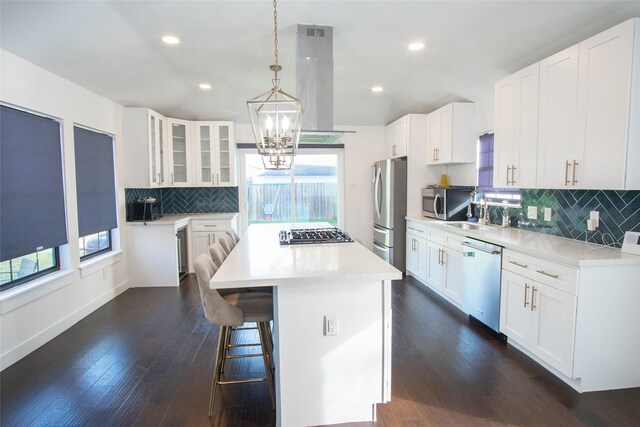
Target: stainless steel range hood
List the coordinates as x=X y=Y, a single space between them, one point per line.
x=314 y=72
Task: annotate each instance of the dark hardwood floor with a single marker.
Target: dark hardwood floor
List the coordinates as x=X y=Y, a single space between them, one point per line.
x=145 y=358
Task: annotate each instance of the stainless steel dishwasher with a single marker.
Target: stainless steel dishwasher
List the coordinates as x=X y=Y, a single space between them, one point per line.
x=481 y=273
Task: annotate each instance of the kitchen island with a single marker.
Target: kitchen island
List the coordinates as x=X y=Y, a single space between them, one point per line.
x=320 y=378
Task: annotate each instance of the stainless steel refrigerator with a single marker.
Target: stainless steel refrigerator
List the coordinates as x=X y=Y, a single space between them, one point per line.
x=389 y=210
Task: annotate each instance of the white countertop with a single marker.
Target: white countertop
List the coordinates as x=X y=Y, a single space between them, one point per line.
x=172 y=219
x=553 y=248
x=259 y=260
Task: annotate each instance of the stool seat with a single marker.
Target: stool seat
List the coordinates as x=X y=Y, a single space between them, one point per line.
x=255 y=306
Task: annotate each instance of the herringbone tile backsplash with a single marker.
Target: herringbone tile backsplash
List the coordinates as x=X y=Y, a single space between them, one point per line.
x=619 y=212
x=189 y=199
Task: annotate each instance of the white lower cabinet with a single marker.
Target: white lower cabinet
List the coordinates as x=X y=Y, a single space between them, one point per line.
x=539 y=318
x=416 y=259
x=204 y=233
x=444 y=265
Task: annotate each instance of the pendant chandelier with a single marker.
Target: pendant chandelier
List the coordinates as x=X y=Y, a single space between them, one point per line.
x=276 y=117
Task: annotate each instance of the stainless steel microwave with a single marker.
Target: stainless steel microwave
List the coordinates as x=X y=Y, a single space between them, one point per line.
x=447 y=204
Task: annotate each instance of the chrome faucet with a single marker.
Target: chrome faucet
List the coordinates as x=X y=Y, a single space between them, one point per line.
x=483 y=211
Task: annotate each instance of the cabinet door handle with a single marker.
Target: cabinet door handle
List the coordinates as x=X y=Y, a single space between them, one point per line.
x=213 y=179
x=217 y=179
x=434 y=154
x=526 y=288
x=444 y=254
x=508 y=169
x=513 y=176
x=533 y=297
x=566 y=172
x=171 y=179
x=555 y=276
x=574 y=180
x=518 y=264
x=437 y=154
x=393 y=150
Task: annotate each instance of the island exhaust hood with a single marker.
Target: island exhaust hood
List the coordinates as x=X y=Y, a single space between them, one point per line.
x=314 y=75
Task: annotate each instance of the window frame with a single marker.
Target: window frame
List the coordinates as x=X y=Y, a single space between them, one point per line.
x=40 y=273
x=340 y=172
x=109 y=248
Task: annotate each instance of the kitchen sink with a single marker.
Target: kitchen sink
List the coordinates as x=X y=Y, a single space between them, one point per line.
x=467 y=225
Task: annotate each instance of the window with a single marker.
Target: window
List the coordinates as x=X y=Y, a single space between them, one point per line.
x=32 y=210
x=94 y=244
x=493 y=195
x=309 y=192
x=96 y=190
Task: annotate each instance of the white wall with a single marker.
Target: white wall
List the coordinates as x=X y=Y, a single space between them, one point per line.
x=361 y=149
x=34 y=313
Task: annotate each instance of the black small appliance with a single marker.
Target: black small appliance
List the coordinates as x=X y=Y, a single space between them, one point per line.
x=143 y=210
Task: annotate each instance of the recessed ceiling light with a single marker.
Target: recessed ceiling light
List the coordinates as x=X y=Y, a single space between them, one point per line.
x=170 y=39
x=416 y=46
x=205 y=86
x=377 y=89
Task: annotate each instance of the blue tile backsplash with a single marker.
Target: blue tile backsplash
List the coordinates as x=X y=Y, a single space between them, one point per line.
x=619 y=212
x=189 y=199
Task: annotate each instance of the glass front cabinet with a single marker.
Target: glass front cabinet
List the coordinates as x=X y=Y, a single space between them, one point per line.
x=179 y=161
x=157 y=176
x=215 y=148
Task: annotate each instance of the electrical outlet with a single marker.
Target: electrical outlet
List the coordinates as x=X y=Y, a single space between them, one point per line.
x=331 y=325
x=547 y=214
x=590 y=225
x=594 y=216
x=532 y=212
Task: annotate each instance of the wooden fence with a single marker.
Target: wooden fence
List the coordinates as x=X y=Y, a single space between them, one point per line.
x=272 y=202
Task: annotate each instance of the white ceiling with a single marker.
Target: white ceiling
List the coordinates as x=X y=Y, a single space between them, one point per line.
x=114 y=49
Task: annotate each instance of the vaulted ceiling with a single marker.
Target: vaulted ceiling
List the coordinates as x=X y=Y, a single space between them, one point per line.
x=114 y=49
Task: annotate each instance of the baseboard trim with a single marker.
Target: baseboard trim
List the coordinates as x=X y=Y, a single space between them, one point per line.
x=18 y=352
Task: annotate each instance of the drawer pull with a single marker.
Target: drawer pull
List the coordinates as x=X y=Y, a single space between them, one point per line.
x=555 y=276
x=518 y=264
x=533 y=298
x=526 y=288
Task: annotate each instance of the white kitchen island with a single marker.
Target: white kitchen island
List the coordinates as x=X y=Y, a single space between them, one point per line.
x=321 y=379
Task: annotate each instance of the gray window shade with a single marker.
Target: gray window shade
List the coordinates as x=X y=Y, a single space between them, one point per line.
x=95 y=183
x=32 y=212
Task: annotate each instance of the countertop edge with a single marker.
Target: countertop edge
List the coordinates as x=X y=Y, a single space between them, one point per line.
x=310 y=280
x=624 y=259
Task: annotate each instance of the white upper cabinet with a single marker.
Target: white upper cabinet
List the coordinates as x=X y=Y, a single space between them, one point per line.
x=215 y=153
x=451 y=136
x=180 y=153
x=397 y=135
x=516 y=131
x=144 y=132
x=558 y=160
x=589 y=126
x=604 y=115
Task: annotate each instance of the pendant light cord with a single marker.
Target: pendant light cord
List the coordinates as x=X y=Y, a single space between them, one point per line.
x=276 y=67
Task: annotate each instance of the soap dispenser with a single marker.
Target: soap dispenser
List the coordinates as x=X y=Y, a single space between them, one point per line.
x=505 y=217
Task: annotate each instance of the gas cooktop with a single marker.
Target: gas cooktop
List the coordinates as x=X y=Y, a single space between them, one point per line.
x=302 y=236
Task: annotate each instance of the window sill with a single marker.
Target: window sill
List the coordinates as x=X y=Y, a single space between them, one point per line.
x=32 y=290
x=97 y=263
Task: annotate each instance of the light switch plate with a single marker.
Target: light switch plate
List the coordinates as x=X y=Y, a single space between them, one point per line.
x=547 y=214
x=532 y=212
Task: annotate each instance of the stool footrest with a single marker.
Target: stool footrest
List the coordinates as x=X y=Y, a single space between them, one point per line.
x=241 y=356
x=251 y=380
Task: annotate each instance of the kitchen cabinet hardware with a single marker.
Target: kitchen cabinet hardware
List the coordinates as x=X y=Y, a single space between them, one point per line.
x=533 y=297
x=508 y=170
x=518 y=264
x=213 y=179
x=574 y=180
x=566 y=173
x=526 y=288
x=171 y=179
x=555 y=276
x=513 y=176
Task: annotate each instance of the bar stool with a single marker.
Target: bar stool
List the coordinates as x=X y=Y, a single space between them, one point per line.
x=234 y=310
x=227 y=243
x=232 y=233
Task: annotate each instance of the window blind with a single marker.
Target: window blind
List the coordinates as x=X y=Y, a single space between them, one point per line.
x=95 y=181
x=32 y=210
